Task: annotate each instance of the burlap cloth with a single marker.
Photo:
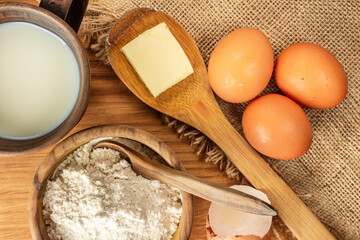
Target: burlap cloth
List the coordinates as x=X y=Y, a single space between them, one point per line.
x=327 y=177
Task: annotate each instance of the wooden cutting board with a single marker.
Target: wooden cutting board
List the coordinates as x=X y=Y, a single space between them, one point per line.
x=110 y=102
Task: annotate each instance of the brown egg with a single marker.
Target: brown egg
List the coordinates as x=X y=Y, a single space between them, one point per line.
x=241 y=65
x=310 y=75
x=277 y=127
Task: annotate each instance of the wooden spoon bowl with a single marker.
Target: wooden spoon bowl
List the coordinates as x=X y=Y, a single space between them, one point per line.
x=67 y=146
x=178 y=98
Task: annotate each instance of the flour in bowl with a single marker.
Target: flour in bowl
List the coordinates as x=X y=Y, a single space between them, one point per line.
x=94 y=194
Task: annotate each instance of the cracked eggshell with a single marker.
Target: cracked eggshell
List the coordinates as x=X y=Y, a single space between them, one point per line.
x=224 y=223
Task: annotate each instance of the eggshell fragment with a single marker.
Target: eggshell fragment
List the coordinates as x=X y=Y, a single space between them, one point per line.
x=230 y=224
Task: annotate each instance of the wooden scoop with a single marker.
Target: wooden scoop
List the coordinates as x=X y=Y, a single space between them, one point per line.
x=193 y=102
x=189 y=183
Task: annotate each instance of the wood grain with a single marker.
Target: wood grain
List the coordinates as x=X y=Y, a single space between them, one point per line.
x=192 y=102
x=57 y=7
x=110 y=102
x=32 y=2
x=72 y=11
x=10 y=12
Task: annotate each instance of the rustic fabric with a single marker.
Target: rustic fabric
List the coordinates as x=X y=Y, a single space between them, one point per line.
x=327 y=177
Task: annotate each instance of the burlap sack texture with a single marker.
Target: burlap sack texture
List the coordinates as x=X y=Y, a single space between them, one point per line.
x=327 y=177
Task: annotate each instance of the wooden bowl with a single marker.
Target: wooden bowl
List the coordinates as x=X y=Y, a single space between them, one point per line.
x=21 y=12
x=67 y=146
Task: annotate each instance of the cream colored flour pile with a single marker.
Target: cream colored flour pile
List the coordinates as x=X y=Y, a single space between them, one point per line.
x=94 y=194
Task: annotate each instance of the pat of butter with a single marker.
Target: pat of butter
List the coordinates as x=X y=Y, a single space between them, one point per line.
x=158 y=59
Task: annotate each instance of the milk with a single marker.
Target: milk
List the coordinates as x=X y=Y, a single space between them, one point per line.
x=39 y=80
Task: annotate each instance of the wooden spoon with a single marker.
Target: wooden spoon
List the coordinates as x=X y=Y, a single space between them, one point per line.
x=193 y=102
x=189 y=183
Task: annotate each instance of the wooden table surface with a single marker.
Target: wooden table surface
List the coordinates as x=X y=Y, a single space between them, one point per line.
x=110 y=102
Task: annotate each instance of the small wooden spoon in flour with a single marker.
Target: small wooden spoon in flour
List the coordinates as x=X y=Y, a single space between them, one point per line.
x=189 y=183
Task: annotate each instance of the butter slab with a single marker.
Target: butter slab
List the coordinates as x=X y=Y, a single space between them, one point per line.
x=158 y=59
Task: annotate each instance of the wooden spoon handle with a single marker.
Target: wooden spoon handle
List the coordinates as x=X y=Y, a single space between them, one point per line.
x=191 y=184
x=72 y=11
x=295 y=214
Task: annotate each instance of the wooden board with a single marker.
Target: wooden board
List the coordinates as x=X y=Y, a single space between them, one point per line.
x=110 y=103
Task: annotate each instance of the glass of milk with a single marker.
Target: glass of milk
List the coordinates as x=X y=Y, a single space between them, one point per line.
x=44 y=73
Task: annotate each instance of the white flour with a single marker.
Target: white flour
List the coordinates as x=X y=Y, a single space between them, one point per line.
x=94 y=194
